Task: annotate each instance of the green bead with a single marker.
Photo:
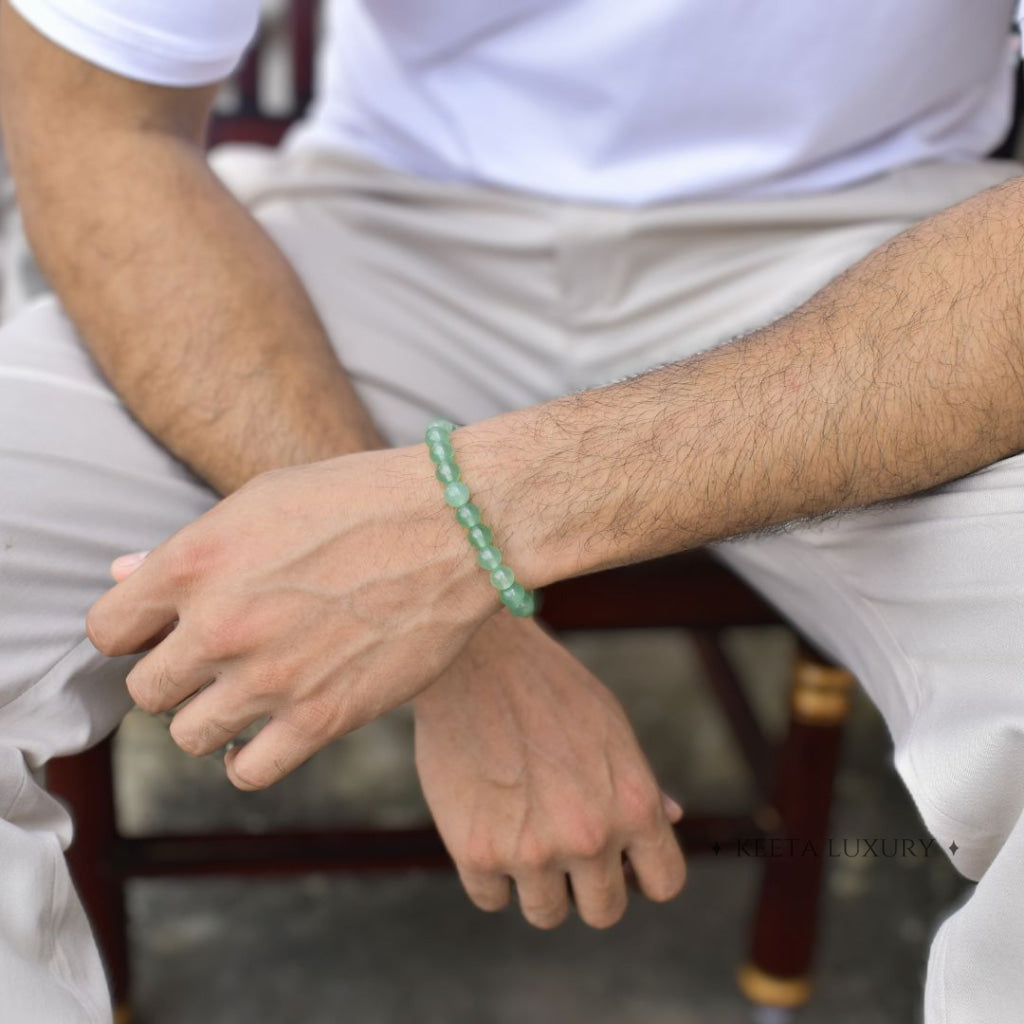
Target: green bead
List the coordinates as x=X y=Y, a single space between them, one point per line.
x=513 y=595
x=441 y=451
x=502 y=577
x=479 y=536
x=525 y=608
x=447 y=472
x=456 y=493
x=490 y=558
x=438 y=430
x=468 y=515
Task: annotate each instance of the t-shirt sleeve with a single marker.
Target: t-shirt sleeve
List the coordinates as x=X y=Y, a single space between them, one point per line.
x=163 y=42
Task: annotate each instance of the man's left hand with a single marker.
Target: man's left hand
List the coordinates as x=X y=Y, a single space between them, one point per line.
x=317 y=597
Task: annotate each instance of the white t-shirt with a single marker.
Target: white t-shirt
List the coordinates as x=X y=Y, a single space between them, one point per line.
x=612 y=101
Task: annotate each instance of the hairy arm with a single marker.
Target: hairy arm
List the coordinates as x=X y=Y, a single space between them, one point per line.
x=193 y=315
x=904 y=373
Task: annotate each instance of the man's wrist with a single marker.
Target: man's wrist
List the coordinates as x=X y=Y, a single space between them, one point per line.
x=434 y=528
x=499 y=458
x=472 y=675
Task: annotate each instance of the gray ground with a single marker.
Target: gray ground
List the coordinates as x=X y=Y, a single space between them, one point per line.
x=384 y=950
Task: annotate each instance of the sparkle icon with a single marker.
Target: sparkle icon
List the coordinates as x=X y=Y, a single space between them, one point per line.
x=953 y=847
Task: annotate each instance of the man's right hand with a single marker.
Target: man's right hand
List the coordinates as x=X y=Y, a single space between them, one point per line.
x=534 y=776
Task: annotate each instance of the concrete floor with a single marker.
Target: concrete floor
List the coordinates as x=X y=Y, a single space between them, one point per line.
x=384 y=950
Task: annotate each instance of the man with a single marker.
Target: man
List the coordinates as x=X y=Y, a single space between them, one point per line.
x=488 y=209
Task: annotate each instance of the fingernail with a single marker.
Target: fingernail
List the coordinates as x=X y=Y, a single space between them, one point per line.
x=125 y=563
x=672 y=809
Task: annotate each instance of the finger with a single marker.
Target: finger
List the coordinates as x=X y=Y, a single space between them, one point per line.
x=215 y=717
x=673 y=810
x=275 y=751
x=489 y=891
x=599 y=887
x=159 y=638
x=169 y=674
x=543 y=898
x=126 y=618
x=658 y=864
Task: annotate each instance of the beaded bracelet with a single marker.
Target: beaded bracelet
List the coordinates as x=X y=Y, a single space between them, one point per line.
x=514 y=596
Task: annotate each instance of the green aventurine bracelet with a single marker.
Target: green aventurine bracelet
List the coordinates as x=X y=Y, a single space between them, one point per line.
x=514 y=596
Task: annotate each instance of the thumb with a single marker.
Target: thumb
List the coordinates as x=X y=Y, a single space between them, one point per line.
x=121 y=568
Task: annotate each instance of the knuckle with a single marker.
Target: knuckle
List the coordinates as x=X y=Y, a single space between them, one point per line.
x=533 y=855
x=192 y=555
x=640 y=804
x=221 y=636
x=314 y=719
x=182 y=565
x=262 y=684
x=586 y=839
x=480 y=857
x=164 y=687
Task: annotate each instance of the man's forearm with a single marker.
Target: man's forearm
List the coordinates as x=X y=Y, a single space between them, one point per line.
x=190 y=310
x=196 y=318
x=905 y=372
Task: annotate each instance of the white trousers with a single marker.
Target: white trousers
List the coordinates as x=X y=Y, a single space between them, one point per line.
x=461 y=301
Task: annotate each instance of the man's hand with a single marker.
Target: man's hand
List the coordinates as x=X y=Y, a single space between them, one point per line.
x=320 y=597
x=533 y=775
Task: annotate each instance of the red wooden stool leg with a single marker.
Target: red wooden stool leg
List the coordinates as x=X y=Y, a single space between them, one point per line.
x=87 y=781
x=778 y=972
